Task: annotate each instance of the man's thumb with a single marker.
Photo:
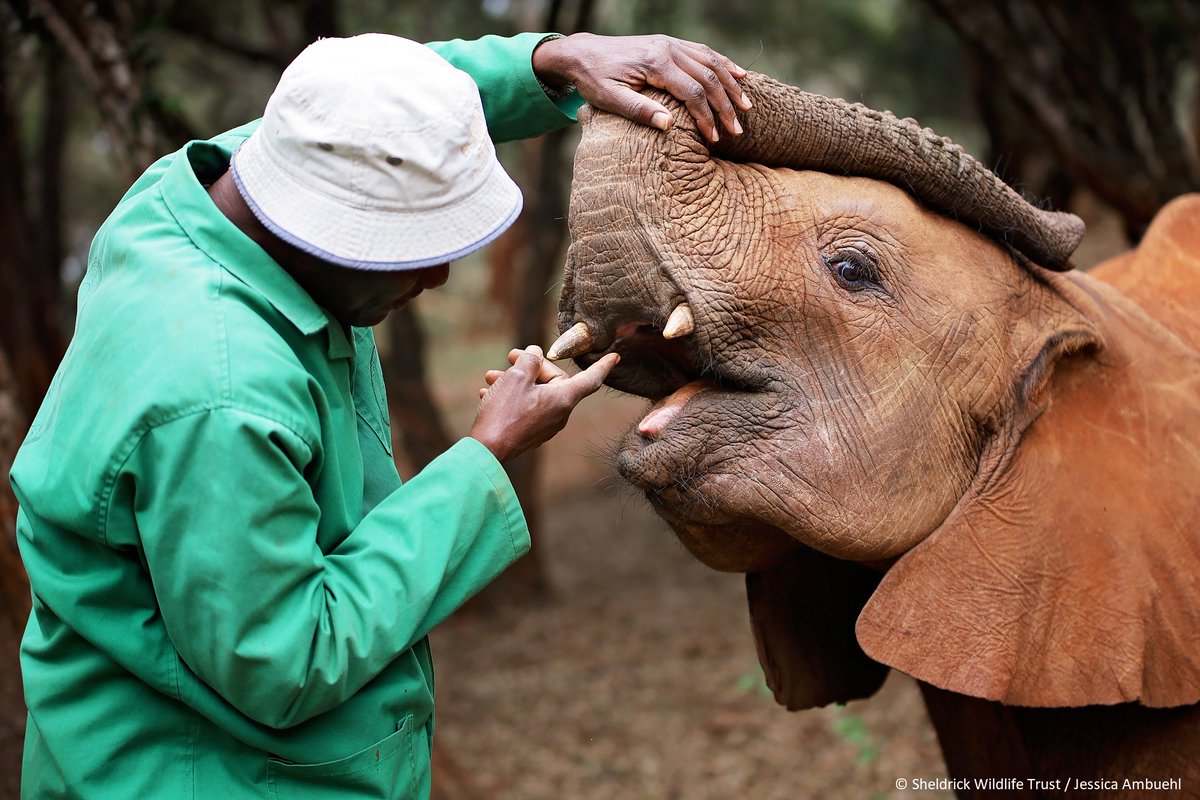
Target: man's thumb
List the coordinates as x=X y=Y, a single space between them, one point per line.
x=639 y=108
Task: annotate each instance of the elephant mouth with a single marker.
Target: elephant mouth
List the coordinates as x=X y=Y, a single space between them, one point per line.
x=701 y=392
x=651 y=366
x=659 y=367
x=714 y=392
x=705 y=380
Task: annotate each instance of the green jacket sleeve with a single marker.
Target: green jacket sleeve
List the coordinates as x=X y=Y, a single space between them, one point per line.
x=282 y=630
x=513 y=101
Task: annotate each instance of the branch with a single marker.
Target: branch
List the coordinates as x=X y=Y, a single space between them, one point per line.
x=182 y=19
x=100 y=51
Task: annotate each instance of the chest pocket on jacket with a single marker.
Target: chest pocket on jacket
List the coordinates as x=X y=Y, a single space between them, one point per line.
x=387 y=770
x=370 y=395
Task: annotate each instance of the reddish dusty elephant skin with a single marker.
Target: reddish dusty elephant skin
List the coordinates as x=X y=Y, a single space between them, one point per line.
x=931 y=445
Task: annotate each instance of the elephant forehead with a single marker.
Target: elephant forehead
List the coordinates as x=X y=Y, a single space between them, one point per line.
x=837 y=204
x=749 y=223
x=831 y=195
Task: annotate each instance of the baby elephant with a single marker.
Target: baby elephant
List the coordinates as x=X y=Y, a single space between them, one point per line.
x=880 y=391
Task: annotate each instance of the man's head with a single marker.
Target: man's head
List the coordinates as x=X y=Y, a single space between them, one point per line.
x=359 y=297
x=373 y=162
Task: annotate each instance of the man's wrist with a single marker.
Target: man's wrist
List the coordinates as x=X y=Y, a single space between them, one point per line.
x=501 y=451
x=551 y=67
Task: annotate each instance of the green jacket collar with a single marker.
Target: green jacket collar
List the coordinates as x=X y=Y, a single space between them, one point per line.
x=182 y=187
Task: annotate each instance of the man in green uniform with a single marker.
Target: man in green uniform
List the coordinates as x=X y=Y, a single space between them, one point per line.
x=231 y=587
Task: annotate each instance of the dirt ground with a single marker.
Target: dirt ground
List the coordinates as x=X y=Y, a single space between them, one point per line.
x=638 y=678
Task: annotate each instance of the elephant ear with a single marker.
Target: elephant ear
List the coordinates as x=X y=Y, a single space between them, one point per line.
x=802 y=612
x=1070 y=575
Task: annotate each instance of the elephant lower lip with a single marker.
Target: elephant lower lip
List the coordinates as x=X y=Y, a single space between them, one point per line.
x=653 y=424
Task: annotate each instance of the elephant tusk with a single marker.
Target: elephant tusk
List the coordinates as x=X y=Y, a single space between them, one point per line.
x=680 y=323
x=575 y=342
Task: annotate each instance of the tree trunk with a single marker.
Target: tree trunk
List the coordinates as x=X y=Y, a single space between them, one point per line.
x=415 y=415
x=525 y=581
x=14 y=595
x=1099 y=84
x=99 y=41
x=544 y=221
x=1016 y=152
x=29 y=334
x=320 y=18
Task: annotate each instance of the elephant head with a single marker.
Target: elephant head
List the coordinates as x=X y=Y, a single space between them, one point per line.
x=879 y=391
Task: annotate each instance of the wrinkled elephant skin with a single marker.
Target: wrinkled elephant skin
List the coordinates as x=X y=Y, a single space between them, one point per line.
x=894 y=394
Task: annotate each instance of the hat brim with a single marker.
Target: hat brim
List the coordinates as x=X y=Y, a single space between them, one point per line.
x=372 y=239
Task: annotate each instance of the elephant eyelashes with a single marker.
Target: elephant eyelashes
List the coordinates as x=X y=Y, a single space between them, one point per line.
x=853 y=270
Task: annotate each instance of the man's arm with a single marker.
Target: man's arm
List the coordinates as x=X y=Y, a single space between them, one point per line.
x=514 y=102
x=607 y=71
x=280 y=629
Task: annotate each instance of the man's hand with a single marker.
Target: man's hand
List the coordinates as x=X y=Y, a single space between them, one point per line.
x=609 y=71
x=529 y=403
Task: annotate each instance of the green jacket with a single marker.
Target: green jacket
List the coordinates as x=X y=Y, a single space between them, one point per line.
x=231 y=588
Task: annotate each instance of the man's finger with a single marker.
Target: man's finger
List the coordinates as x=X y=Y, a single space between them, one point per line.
x=549 y=372
x=727 y=72
x=618 y=98
x=492 y=375
x=709 y=76
x=592 y=378
x=529 y=363
x=693 y=94
x=737 y=70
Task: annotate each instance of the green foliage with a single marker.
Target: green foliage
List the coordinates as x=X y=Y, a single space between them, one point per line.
x=853 y=730
x=886 y=53
x=892 y=54
x=753 y=682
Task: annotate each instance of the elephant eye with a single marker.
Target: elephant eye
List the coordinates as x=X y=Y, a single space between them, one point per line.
x=850 y=272
x=853 y=270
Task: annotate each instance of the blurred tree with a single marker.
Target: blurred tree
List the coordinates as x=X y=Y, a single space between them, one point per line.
x=14 y=595
x=30 y=220
x=416 y=418
x=893 y=54
x=31 y=339
x=106 y=45
x=1096 y=95
x=538 y=263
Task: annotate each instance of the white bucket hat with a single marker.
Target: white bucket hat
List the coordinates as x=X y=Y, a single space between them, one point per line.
x=373 y=153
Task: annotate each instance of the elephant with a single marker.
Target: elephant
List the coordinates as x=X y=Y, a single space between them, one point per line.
x=880 y=390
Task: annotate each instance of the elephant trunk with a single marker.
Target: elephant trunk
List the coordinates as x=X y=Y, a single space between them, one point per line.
x=791 y=128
